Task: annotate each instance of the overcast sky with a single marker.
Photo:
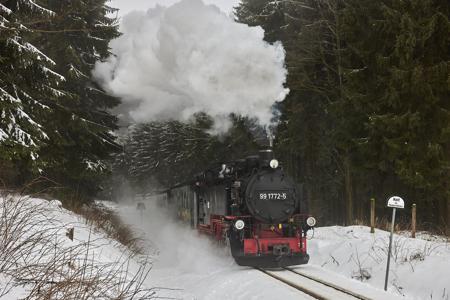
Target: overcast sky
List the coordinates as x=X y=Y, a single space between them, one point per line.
x=126 y=6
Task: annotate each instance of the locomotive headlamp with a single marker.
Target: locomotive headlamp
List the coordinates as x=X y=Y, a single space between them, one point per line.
x=311 y=221
x=274 y=163
x=239 y=225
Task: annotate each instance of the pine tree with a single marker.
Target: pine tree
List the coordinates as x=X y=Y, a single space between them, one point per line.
x=29 y=88
x=167 y=153
x=368 y=109
x=82 y=139
x=403 y=91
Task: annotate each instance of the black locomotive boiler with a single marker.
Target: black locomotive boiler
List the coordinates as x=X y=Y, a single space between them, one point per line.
x=253 y=205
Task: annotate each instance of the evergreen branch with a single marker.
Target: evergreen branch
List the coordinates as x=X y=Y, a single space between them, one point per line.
x=86 y=30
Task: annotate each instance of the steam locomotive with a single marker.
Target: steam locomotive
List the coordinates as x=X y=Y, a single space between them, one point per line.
x=253 y=206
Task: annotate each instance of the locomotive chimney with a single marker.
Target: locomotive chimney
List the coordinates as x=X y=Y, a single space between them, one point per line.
x=265 y=156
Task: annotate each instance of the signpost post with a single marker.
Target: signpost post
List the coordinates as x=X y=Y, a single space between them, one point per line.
x=394 y=202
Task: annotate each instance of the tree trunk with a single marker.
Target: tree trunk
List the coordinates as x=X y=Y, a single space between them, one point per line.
x=360 y=205
x=444 y=215
x=448 y=217
x=348 y=190
x=311 y=196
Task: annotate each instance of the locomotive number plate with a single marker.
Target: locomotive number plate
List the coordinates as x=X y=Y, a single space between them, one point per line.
x=272 y=196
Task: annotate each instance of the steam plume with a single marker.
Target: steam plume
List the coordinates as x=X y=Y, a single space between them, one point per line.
x=171 y=63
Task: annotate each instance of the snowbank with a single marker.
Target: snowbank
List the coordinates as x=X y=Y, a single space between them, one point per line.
x=201 y=269
x=39 y=260
x=350 y=257
x=420 y=268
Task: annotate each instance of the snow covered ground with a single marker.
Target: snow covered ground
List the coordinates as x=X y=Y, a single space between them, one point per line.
x=39 y=261
x=195 y=266
x=351 y=257
x=189 y=266
x=420 y=268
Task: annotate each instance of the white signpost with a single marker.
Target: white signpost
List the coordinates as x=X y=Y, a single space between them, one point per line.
x=394 y=202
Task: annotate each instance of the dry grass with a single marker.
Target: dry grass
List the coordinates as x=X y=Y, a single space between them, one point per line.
x=31 y=255
x=108 y=221
x=96 y=215
x=405 y=227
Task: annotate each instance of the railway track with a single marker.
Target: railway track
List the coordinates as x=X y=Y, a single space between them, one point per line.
x=312 y=286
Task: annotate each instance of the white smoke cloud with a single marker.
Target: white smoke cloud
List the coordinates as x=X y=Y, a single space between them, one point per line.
x=171 y=63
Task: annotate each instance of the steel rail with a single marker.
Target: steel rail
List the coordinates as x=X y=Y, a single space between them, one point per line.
x=315 y=279
x=294 y=285
x=329 y=284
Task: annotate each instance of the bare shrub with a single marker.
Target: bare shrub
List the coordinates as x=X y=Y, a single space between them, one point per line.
x=361 y=273
x=94 y=214
x=33 y=253
x=108 y=221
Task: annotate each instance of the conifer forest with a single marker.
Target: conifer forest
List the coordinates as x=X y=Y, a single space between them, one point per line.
x=367 y=114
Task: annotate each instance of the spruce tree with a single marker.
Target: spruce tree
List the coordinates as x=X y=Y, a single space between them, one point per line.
x=29 y=88
x=82 y=139
x=402 y=83
x=368 y=107
x=172 y=152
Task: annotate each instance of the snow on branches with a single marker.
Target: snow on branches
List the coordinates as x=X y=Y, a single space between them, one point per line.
x=27 y=85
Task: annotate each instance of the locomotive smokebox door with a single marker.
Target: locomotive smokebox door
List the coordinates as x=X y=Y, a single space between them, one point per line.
x=271 y=196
